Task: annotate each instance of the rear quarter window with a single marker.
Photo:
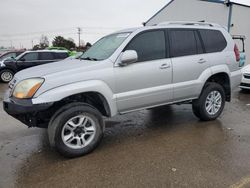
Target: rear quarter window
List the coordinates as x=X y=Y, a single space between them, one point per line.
x=61 y=55
x=46 y=56
x=213 y=40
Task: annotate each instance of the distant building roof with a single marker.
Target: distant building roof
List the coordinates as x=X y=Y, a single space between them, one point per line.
x=227 y=2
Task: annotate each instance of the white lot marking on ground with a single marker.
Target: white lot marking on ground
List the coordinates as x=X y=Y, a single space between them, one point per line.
x=243 y=183
x=248 y=104
x=174 y=169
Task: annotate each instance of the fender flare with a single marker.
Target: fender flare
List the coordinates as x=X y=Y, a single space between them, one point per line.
x=64 y=91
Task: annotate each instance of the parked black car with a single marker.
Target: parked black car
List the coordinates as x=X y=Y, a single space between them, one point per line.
x=29 y=59
x=11 y=54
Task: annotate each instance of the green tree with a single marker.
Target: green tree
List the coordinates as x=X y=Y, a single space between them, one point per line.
x=59 y=41
x=40 y=46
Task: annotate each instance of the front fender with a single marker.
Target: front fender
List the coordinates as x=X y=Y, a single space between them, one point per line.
x=61 y=92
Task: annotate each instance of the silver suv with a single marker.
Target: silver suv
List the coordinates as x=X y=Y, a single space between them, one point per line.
x=133 y=69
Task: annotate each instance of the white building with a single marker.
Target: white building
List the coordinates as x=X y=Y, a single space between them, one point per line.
x=230 y=14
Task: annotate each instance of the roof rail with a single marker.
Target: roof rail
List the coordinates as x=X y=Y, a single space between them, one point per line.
x=189 y=23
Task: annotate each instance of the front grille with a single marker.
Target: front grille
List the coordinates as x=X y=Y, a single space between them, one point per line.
x=12 y=84
x=247 y=76
x=245 y=85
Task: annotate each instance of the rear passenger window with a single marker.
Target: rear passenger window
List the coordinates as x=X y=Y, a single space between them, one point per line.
x=184 y=42
x=199 y=44
x=61 y=55
x=149 y=46
x=46 y=56
x=213 y=40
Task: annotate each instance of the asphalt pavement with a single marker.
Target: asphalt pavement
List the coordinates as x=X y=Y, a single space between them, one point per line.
x=162 y=147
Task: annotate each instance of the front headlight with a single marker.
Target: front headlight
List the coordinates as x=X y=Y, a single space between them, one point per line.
x=27 y=88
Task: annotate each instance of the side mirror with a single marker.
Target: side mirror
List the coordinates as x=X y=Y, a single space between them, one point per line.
x=22 y=59
x=128 y=57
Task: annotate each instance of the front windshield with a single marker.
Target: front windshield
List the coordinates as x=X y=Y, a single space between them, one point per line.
x=7 y=56
x=105 y=47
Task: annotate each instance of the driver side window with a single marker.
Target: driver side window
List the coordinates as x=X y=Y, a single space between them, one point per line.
x=30 y=56
x=149 y=45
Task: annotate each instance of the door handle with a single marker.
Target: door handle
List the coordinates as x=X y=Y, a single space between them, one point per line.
x=165 y=66
x=201 y=61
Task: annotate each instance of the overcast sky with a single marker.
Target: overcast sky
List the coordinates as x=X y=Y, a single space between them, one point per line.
x=22 y=21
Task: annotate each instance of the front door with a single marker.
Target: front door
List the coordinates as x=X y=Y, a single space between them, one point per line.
x=27 y=60
x=147 y=82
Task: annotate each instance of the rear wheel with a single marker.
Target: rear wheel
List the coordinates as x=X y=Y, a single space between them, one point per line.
x=211 y=102
x=6 y=75
x=76 y=130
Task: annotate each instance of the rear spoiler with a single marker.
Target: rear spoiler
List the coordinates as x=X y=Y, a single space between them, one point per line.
x=240 y=37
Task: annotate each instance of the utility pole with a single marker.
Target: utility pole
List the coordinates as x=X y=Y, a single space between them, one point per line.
x=79 y=30
x=11 y=46
x=32 y=44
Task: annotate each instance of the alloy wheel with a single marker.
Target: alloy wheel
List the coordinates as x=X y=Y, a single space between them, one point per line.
x=6 y=76
x=213 y=102
x=78 y=132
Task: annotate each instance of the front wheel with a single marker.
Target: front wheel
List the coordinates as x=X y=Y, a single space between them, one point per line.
x=76 y=129
x=6 y=75
x=211 y=102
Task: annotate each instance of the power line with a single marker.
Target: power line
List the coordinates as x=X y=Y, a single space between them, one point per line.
x=51 y=35
x=18 y=38
x=60 y=30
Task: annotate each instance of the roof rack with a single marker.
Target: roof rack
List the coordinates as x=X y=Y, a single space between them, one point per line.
x=189 y=23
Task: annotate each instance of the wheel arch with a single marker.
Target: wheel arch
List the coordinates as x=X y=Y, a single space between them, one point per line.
x=95 y=99
x=223 y=79
x=93 y=91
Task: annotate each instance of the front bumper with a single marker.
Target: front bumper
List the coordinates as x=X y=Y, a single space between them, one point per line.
x=25 y=111
x=245 y=83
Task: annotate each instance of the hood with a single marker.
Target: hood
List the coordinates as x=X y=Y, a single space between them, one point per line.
x=6 y=61
x=246 y=69
x=54 y=68
x=2 y=64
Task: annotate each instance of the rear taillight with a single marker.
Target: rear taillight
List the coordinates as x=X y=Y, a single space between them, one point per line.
x=237 y=53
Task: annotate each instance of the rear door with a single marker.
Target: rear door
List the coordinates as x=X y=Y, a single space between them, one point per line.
x=45 y=57
x=189 y=62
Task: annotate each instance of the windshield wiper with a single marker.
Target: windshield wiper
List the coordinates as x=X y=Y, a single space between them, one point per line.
x=89 y=58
